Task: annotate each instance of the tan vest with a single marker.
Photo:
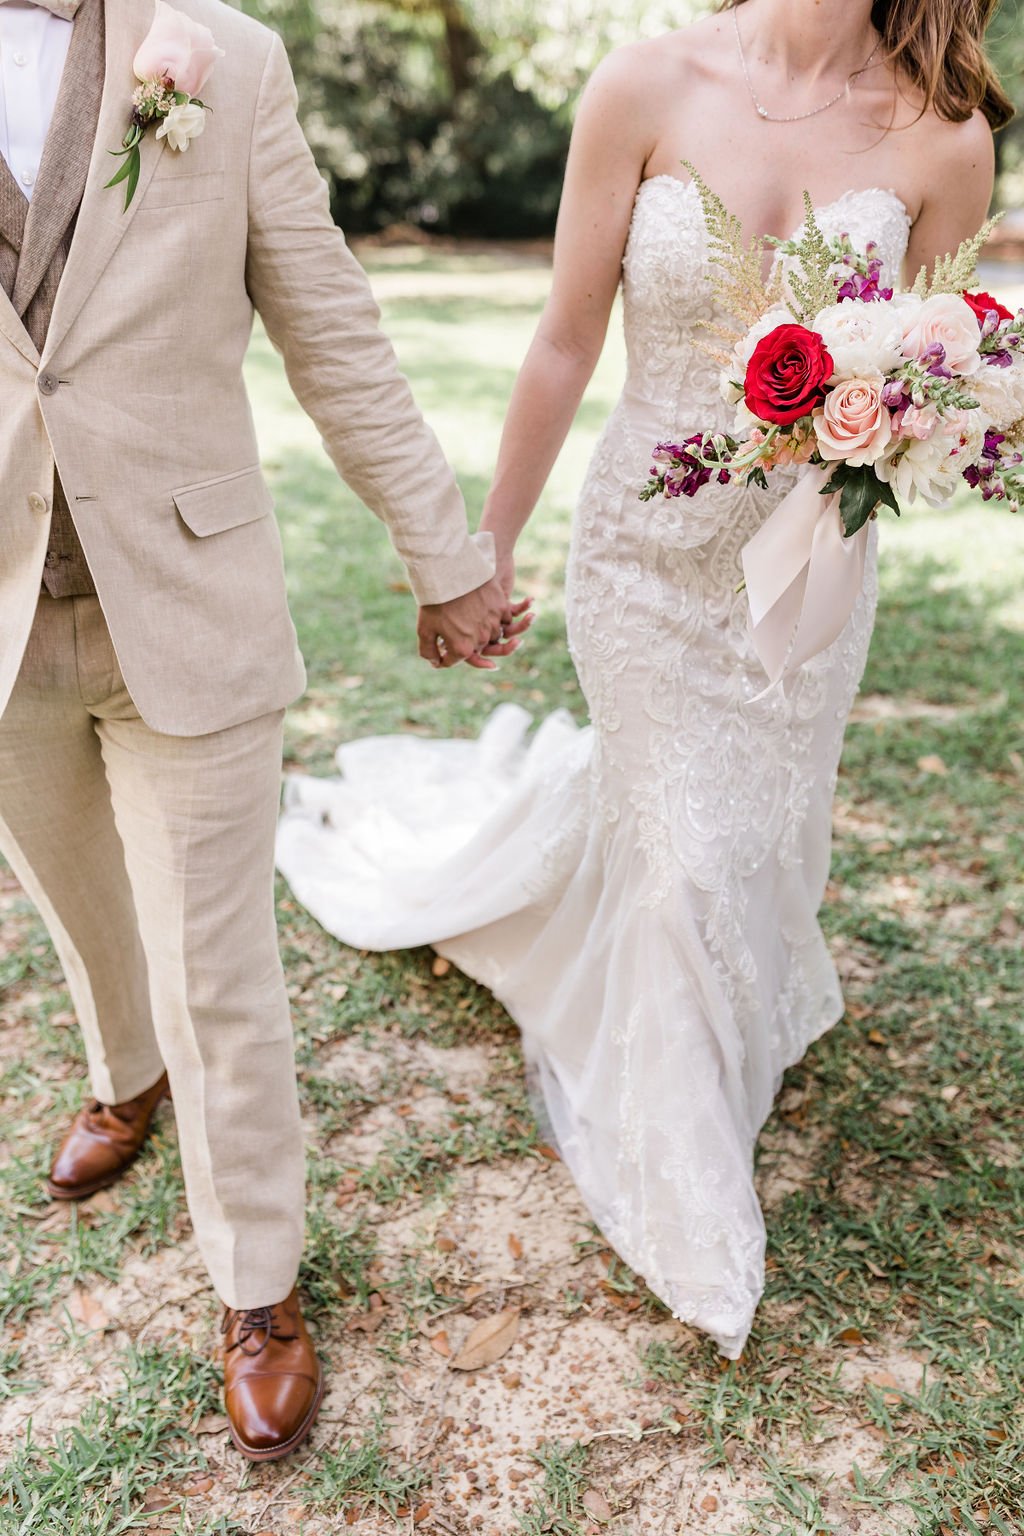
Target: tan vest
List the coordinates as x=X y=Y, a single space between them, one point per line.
x=35 y=239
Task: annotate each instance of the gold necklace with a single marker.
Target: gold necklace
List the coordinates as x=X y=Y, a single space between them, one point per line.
x=799 y=117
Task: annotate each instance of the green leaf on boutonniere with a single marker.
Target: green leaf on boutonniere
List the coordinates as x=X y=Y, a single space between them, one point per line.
x=860 y=492
x=129 y=172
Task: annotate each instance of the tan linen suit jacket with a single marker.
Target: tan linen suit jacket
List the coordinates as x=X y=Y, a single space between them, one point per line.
x=138 y=397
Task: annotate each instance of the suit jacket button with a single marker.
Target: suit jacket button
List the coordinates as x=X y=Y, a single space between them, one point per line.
x=48 y=384
x=37 y=503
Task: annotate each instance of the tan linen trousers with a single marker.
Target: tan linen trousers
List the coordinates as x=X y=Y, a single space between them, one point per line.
x=151 y=860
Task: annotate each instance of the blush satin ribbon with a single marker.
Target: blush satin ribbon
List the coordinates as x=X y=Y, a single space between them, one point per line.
x=803 y=578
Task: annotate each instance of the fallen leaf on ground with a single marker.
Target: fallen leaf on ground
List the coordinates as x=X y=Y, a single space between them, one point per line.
x=104 y=1203
x=158 y=1499
x=597 y=1506
x=212 y=1424
x=709 y=1504
x=889 y=1387
x=85 y=1309
x=203 y=1486
x=515 y=1247
x=932 y=764
x=492 y=1338
x=441 y=1344
x=367 y=1322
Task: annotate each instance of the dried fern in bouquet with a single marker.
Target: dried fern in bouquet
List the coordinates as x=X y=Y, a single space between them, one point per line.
x=738 y=283
x=955 y=273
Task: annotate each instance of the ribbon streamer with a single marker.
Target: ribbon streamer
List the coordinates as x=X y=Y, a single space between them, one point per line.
x=803 y=578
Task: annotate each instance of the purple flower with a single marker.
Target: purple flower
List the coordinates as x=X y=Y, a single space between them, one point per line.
x=933 y=358
x=867 y=287
x=895 y=397
x=684 y=474
x=991 y=459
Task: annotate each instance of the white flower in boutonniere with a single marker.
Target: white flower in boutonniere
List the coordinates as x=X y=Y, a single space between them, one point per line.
x=183 y=124
x=173 y=65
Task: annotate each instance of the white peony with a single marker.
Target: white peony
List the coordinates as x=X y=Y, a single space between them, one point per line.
x=969 y=429
x=182 y=124
x=923 y=467
x=862 y=339
x=1000 y=393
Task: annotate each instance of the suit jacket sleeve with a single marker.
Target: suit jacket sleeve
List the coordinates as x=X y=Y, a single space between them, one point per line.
x=316 y=304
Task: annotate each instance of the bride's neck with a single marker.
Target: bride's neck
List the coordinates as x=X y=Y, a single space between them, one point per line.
x=807 y=39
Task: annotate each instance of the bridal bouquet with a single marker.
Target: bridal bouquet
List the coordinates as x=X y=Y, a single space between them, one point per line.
x=880 y=394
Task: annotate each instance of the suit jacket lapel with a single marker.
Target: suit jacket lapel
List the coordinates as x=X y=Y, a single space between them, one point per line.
x=67 y=155
x=102 y=220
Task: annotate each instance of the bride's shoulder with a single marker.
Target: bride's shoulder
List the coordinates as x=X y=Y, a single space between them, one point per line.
x=641 y=67
x=947 y=153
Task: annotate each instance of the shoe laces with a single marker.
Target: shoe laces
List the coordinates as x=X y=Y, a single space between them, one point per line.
x=256 y=1327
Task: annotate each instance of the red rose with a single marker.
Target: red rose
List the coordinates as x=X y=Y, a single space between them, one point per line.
x=983 y=303
x=787 y=374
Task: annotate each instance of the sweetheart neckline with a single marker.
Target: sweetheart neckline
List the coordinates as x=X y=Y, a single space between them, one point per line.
x=889 y=192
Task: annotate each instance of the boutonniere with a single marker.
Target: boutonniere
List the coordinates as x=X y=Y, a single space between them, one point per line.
x=172 y=67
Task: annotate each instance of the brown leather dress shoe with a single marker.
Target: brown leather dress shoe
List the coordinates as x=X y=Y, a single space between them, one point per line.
x=103 y=1141
x=273 y=1381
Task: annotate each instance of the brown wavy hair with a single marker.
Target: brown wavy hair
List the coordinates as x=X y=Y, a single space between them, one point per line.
x=938 y=46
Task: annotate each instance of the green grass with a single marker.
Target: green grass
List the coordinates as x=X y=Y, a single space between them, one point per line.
x=896 y=1247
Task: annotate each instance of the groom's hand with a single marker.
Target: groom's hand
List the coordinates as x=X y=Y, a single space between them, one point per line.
x=477 y=628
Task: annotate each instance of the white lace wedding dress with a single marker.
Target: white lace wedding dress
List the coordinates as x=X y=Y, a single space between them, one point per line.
x=640 y=895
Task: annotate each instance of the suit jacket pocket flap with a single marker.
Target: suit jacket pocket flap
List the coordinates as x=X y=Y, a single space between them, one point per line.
x=229 y=501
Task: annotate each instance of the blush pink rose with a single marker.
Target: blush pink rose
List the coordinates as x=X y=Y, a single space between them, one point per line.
x=854 y=424
x=948 y=321
x=177 y=49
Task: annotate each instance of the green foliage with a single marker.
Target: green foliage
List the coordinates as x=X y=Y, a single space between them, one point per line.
x=93 y=1479
x=559 y=1509
x=364 y=1477
x=862 y=492
x=453 y=115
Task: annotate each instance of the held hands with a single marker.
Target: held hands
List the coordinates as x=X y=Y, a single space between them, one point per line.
x=477 y=628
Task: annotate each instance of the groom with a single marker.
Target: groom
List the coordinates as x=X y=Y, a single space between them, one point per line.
x=146 y=650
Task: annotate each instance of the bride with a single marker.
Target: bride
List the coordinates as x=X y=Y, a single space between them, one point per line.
x=642 y=896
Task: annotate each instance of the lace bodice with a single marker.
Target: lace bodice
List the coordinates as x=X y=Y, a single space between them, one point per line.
x=667 y=298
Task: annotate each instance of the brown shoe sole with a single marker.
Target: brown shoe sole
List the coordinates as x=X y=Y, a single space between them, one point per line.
x=277 y=1452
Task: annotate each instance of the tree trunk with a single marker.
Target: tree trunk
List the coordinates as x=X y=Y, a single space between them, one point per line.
x=462 y=47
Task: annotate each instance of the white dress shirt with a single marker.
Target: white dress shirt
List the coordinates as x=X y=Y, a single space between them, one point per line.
x=33 y=48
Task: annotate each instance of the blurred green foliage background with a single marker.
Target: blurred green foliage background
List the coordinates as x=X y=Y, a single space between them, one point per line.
x=454 y=115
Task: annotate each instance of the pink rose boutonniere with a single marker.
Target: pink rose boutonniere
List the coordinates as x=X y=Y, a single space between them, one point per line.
x=172 y=67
